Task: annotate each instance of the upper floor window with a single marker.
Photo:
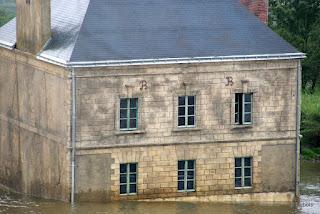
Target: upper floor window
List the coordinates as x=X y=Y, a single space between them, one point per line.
x=128 y=113
x=186 y=111
x=243 y=108
x=243 y=172
x=128 y=178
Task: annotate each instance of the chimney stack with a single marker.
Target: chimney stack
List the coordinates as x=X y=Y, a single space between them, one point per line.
x=258 y=7
x=33 y=24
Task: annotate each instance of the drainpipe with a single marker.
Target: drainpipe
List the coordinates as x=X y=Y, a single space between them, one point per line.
x=73 y=135
x=298 y=120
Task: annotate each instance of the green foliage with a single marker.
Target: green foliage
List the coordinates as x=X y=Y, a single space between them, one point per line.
x=5 y=16
x=310 y=154
x=298 y=21
x=310 y=118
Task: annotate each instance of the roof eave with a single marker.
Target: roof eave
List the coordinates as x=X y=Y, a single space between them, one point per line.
x=107 y=63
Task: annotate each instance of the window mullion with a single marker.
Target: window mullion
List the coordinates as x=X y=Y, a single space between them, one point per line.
x=128 y=178
x=185 y=175
x=242 y=172
x=128 y=113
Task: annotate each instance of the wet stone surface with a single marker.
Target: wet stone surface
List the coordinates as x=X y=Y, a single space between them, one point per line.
x=309 y=203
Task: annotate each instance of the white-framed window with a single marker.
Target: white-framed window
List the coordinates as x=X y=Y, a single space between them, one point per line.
x=243 y=108
x=186 y=175
x=186 y=111
x=129 y=114
x=128 y=178
x=243 y=172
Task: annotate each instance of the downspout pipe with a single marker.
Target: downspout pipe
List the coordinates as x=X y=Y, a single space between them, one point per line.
x=298 y=135
x=73 y=135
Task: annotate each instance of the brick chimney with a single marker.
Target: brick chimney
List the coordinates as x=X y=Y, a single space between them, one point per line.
x=258 y=7
x=33 y=24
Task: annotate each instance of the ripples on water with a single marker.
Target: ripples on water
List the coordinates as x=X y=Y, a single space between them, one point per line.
x=309 y=203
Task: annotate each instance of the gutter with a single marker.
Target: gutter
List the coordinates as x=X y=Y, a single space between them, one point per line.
x=73 y=135
x=162 y=61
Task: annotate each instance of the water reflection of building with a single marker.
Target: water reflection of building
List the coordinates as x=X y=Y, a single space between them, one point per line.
x=124 y=100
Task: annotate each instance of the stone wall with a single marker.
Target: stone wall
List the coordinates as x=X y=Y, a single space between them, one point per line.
x=213 y=143
x=157 y=169
x=34 y=126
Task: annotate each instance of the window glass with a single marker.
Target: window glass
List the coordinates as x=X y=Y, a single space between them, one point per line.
x=186 y=175
x=128 y=178
x=186 y=111
x=243 y=108
x=243 y=172
x=128 y=113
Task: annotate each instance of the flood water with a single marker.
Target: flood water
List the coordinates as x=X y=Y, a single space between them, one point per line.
x=309 y=203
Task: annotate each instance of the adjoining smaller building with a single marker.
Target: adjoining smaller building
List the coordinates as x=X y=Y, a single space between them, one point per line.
x=148 y=100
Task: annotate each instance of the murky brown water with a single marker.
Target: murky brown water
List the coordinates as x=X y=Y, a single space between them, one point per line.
x=309 y=203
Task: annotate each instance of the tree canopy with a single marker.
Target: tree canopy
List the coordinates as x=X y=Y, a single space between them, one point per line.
x=298 y=21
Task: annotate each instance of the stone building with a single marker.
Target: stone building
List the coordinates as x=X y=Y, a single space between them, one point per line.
x=136 y=100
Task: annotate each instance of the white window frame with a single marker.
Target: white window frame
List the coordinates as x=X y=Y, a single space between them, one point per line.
x=186 y=115
x=185 y=177
x=242 y=177
x=243 y=113
x=128 y=108
x=128 y=183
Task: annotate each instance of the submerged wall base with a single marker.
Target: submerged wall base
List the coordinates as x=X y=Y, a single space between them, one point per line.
x=253 y=197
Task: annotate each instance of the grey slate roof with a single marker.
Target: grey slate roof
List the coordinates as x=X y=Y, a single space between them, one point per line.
x=99 y=31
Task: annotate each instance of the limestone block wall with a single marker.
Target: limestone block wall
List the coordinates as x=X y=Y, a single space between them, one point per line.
x=157 y=169
x=34 y=126
x=158 y=144
x=271 y=82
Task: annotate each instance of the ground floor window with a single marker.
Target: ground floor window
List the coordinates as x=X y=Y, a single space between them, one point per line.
x=128 y=178
x=186 y=175
x=243 y=172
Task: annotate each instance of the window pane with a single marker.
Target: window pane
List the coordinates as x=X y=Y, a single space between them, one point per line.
x=133 y=123
x=123 y=168
x=180 y=185
x=238 y=182
x=238 y=162
x=133 y=178
x=191 y=164
x=133 y=188
x=247 y=108
x=181 y=111
x=181 y=121
x=190 y=175
x=247 y=118
x=123 y=124
x=236 y=118
x=247 y=182
x=237 y=98
x=180 y=175
x=123 y=113
x=247 y=161
x=247 y=172
x=123 y=103
x=133 y=113
x=123 y=189
x=133 y=167
x=123 y=178
x=191 y=121
x=190 y=185
x=190 y=110
x=180 y=165
x=191 y=100
x=133 y=103
x=182 y=101
x=247 y=97
x=238 y=172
